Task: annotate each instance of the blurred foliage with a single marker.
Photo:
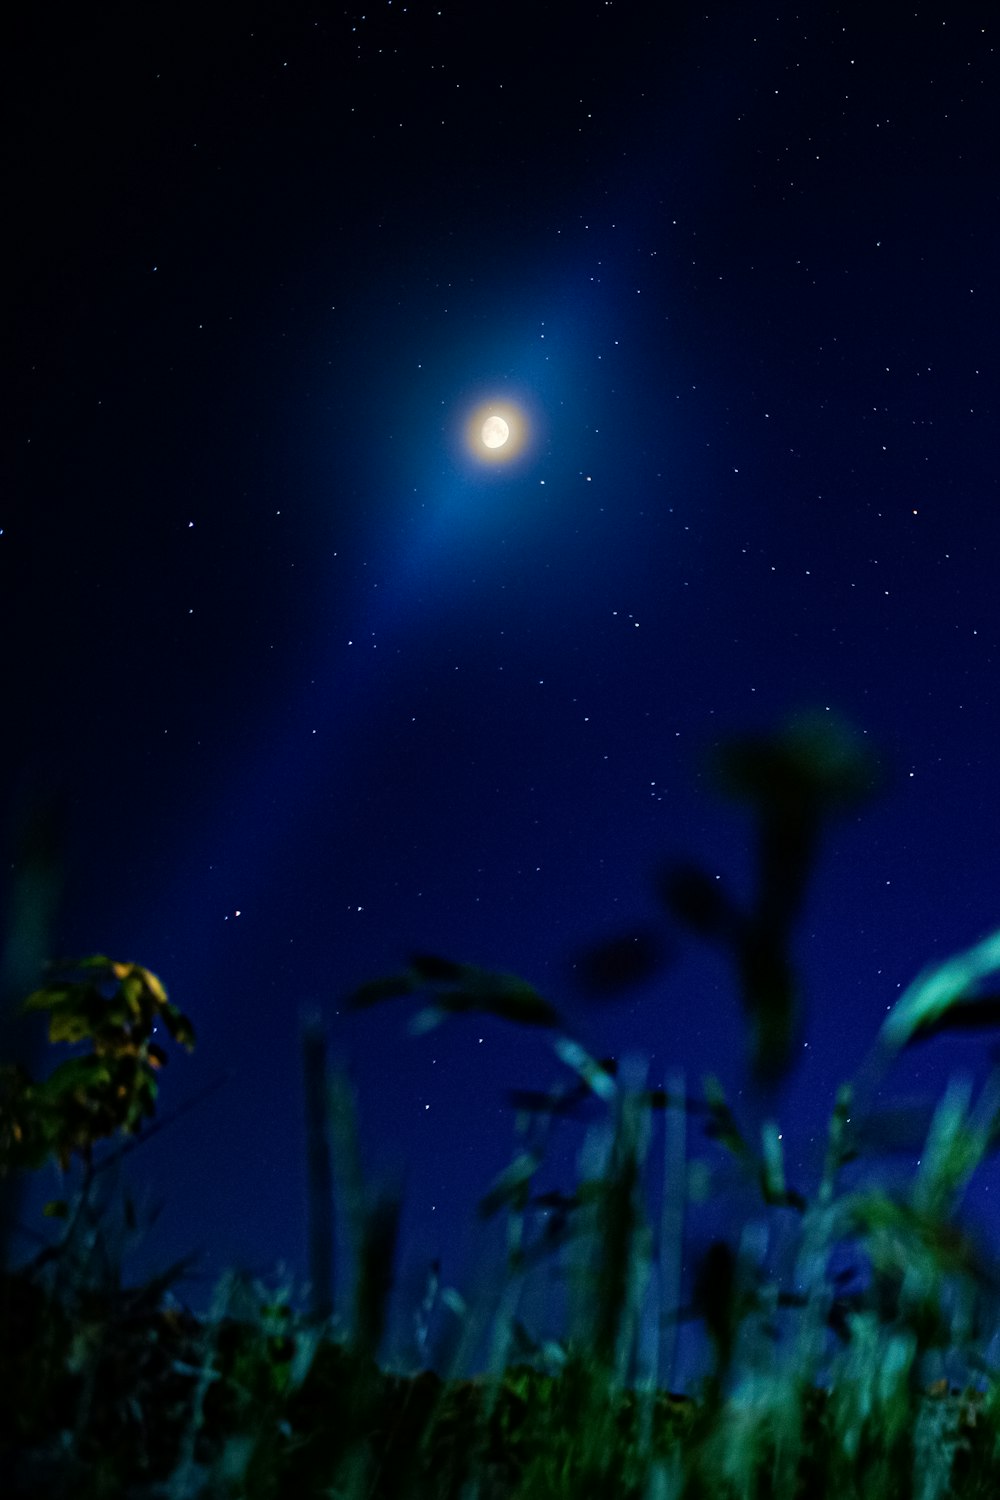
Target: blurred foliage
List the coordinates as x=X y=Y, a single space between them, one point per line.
x=458 y=989
x=837 y=1313
x=113 y=1009
x=793 y=783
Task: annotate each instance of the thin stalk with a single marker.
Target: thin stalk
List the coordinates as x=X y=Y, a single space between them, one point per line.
x=319 y=1171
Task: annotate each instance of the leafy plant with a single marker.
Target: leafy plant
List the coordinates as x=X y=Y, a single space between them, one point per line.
x=838 y=1314
x=115 y=1008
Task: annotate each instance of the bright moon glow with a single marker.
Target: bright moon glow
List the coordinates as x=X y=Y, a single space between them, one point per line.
x=495 y=432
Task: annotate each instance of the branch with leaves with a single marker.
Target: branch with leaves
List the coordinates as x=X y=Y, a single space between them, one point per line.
x=116 y=1008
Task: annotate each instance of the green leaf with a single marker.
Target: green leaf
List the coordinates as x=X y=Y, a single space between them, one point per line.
x=49 y=998
x=458 y=989
x=178 y=1026
x=926 y=1004
x=392 y=987
x=427 y=1019
x=69 y=1026
x=84 y=1075
x=815 y=758
x=721 y=1124
x=594 y=1074
x=504 y=995
x=430 y=968
x=773 y=1175
x=511 y=1185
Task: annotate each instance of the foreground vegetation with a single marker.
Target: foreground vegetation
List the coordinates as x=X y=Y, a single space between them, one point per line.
x=873 y=1379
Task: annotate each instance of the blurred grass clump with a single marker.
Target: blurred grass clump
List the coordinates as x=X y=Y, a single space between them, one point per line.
x=849 y=1328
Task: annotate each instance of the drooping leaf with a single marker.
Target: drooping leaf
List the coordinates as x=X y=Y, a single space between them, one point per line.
x=929 y=1001
x=980 y=1013
x=459 y=989
x=431 y=968
x=506 y=996
x=392 y=987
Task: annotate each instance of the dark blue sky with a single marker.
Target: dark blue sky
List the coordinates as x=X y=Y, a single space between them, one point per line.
x=321 y=687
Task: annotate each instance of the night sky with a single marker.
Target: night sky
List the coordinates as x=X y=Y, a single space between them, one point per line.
x=320 y=682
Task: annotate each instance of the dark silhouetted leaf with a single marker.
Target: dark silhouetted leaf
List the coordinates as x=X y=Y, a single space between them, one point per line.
x=376 y=1263
x=432 y=969
x=981 y=1013
x=714 y=1299
x=769 y=995
x=816 y=759
x=696 y=899
x=620 y=962
x=507 y=996
x=393 y=987
x=456 y=989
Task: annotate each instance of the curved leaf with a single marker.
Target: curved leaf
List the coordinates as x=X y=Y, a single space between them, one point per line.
x=927 y=1003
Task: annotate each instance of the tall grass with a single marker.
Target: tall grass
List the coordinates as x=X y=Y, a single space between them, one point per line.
x=848 y=1330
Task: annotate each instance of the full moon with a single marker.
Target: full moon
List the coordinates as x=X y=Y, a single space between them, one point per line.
x=495 y=432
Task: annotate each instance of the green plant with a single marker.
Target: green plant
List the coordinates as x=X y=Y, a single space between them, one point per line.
x=825 y=1382
x=115 y=1008
x=922 y=1294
